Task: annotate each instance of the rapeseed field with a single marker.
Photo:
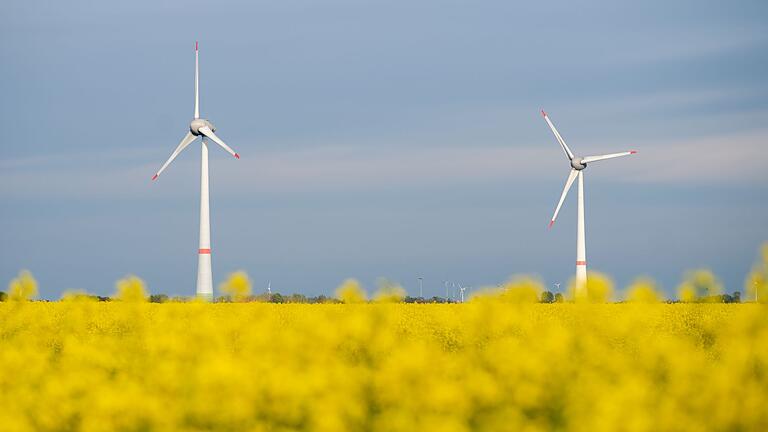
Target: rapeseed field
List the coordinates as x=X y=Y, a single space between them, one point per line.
x=79 y=365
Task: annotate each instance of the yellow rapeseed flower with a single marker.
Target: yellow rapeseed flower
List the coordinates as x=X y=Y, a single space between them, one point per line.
x=643 y=290
x=350 y=291
x=130 y=289
x=237 y=286
x=23 y=287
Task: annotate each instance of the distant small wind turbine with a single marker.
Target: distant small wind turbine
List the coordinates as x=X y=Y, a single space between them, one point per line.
x=461 y=291
x=577 y=166
x=269 y=287
x=199 y=127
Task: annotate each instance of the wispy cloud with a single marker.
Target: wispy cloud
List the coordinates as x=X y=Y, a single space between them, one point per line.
x=726 y=159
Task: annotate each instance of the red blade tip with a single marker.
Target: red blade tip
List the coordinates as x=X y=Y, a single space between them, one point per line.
x=632 y=152
x=543 y=113
x=551 y=223
x=195 y=45
x=237 y=155
x=154 y=177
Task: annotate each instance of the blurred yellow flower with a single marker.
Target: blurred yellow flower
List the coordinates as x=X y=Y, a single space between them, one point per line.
x=350 y=291
x=599 y=288
x=23 y=287
x=130 y=289
x=643 y=290
x=518 y=290
x=237 y=286
x=756 y=284
x=700 y=285
x=389 y=292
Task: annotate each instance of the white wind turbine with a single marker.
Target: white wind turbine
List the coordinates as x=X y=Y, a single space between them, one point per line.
x=461 y=291
x=204 y=129
x=577 y=166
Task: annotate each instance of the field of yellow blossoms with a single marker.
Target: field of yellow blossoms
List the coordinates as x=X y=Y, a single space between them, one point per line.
x=486 y=365
x=501 y=362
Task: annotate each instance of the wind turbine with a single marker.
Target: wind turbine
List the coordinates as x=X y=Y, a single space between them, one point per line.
x=203 y=128
x=577 y=166
x=461 y=290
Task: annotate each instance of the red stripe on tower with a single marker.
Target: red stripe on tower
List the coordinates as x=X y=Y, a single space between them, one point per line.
x=579 y=263
x=204 y=251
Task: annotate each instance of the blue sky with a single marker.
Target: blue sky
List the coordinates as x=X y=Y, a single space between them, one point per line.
x=382 y=139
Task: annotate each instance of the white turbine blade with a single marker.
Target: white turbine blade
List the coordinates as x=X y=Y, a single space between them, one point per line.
x=568 y=183
x=558 y=137
x=197 y=79
x=205 y=130
x=589 y=159
x=188 y=138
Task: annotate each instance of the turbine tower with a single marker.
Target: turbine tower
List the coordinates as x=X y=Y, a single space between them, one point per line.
x=203 y=128
x=577 y=167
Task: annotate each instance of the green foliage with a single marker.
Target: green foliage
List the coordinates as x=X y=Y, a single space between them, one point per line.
x=547 y=297
x=158 y=298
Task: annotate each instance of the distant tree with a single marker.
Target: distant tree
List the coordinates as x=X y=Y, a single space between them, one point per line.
x=277 y=298
x=547 y=297
x=297 y=298
x=559 y=298
x=158 y=298
x=737 y=297
x=409 y=299
x=3 y=296
x=321 y=299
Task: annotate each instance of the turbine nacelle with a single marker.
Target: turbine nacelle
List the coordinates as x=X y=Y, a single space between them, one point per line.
x=196 y=124
x=577 y=164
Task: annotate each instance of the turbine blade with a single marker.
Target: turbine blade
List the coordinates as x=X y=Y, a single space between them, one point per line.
x=560 y=139
x=197 y=79
x=568 y=183
x=188 y=138
x=589 y=159
x=205 y=130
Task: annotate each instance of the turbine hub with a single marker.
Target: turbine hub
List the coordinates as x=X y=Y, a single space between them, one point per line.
x=196 y=124
x=577 y=164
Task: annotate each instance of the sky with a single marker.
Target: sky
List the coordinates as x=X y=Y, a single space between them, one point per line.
x=382 y=139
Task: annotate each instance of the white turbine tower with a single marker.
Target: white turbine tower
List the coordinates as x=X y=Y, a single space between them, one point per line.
x=577 y=166
x=204 y=129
